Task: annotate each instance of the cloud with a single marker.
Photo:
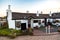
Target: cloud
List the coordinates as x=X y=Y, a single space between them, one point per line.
x=45 y=6
x=48 y=5
x=31 y=5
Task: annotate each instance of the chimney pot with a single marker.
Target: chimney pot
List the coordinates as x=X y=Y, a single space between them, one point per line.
x=50 y=14
x=8 y=6
x=27 y=11
x=37 y=14
x=41 y=12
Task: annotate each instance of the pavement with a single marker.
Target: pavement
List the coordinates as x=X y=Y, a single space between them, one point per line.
x=52 y=37
x=38 y=35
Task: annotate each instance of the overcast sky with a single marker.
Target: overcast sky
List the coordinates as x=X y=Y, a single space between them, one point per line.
x=31 y=5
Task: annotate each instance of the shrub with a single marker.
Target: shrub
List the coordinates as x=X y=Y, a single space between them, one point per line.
x=18 y=32
x=4 y=25
x=4 y=32
x=12 y=33
x=30 y=31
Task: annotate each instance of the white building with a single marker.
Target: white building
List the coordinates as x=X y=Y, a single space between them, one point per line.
x=22 y=21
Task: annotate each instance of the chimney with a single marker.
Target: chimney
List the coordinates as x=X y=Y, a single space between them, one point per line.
x=50 y=14
x=37 y=11
x=37 y=14
x=9 y=13
x=27 y=11
x=41 y=12
x=9 y=7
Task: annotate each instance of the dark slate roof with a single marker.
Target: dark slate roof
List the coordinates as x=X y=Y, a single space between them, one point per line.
x=17 y=16
x=56 y=15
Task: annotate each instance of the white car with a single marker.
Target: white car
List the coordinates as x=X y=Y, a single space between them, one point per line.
x=57 y=24
x=36 y=24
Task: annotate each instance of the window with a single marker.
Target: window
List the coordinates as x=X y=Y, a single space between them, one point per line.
x=43 y=21
x=18 y=24
x=35 y=21
x=39 y=21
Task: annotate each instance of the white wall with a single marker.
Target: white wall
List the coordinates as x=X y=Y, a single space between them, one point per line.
x=23 y=21
x=36 y=24
x=9 y=14
x=11 y=24
x=51 y=20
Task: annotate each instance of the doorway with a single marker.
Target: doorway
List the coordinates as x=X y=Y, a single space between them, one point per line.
x=23 y=26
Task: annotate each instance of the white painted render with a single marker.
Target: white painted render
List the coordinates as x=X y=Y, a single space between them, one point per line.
x=50 y=20
x=31 y=23
x=11 y=22
x=36 y=24
x=23 y=21
x=9 y=14
x=37 y=14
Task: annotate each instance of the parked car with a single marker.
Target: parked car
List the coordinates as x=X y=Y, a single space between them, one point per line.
x=37 y=24
x=56 y=24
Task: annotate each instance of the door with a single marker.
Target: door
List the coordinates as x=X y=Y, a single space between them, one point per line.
x=23 y=26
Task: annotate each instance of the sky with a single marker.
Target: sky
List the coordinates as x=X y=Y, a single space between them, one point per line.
x=31 y=5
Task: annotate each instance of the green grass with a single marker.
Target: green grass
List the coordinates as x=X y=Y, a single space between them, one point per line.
x=4 y=32
x=12 y=33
